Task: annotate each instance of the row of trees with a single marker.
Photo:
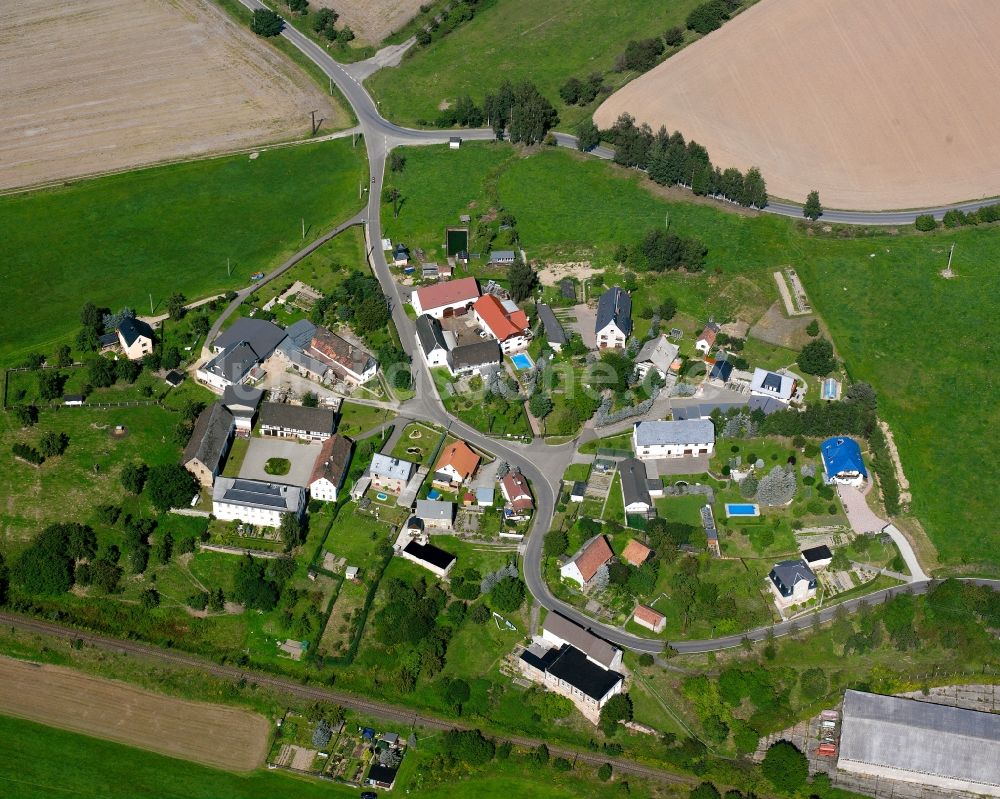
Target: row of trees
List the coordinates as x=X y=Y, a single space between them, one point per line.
x=710 y=16
x=517 y=109
x=956 y=218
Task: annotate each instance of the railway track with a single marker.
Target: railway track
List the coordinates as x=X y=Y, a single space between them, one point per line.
x=380 y=710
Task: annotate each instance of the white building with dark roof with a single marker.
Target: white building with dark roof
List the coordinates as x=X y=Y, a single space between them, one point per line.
x=280 y=420
x=242 y=402
x=673 y=439
x=135 y=338
x=330 y=468
x=255 y=501
x=772 y=384
x=431 y=341
x=792 y=582
x=613 y=324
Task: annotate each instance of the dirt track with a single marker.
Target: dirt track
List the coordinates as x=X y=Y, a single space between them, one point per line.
x=96 y=85
x=215 y=735
x=877 y=105
x=373 y=20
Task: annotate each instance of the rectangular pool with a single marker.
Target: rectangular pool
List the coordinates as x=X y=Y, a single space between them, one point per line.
x=741 y=509
x=522 y=361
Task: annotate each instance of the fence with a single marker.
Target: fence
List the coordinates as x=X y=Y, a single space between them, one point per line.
x=226 y=549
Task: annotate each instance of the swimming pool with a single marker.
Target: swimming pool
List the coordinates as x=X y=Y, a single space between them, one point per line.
x=433 y=494
x=741 y=509
x=381 y=496
x=522 y=361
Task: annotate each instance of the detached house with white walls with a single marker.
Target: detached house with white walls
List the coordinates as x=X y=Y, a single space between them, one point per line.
x=613 y=325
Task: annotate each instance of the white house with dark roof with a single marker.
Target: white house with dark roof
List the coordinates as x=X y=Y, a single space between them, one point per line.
x=255 y=501
x=559 y=630
x=792 y=582
x=555 y=335
x=613 y=324
x=658 y=354
x=673 y=439
x=279 y=420
x=261 y=335
x=772 y=384
x=330 y=468
x=636 y=495
x=135 y=338
x=478 y=358
x=431 y=341
x=242 y=402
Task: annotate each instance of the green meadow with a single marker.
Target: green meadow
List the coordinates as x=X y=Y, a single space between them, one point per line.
x=117 y=240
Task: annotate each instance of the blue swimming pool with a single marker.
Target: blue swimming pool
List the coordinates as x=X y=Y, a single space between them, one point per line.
x=381 y=496
x=522 y=361
x=433 y=494
x=742 y=509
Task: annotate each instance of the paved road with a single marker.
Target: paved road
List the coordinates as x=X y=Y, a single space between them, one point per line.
x=381 y=710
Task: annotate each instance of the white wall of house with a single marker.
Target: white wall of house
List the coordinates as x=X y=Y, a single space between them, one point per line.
x=703 y=346
x=449 y=309
x=570 y=571
x=453 y=476
x=637 y=507
x=656 y=451
x=212 y=379
x=656 y=628
x=276 y=431
x=442 y=573
x=800 y=593
x=229 y=512
x=610 y=336
x=140 y=348
x=323 y=490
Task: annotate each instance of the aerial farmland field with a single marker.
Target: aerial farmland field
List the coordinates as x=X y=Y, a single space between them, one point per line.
x=875 y=105
x=97 y=85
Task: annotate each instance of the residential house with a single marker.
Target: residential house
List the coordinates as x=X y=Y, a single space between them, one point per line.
x=706 y=340
x=645 y=616
x=772 y=385
x=635 y=488
x=504 y=321
x=431 y=341
x=636 y=553
x=262 y=336
x=817 y=558
x=555 y=335
x=344 y=359
x=842 y=461
x=503 y=257
x=586 y=562
x=233 y=366
x=558 y=630
x=675 y=439
x=515 y=491
x=451 y=298
x=567 y=671
x=135 y=338
x=721 y=371
x=413 y=545
x=614 y=318
x=239 y=349
x=792 y=582
x=280 y=420
x=390 y=474
x=436 y=514
x=242 y=402
x=211 y=438
x=477 y=358
x=457 y=464
x=400 y=255
x=657 y=354
x=255 y=502
x=330 y=468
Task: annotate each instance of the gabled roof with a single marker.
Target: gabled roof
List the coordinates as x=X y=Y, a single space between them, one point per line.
x=814 y=554
x=766 y=405
x=501 y=321
x=332 y=461
x=261 y=335
x=300 y=333
x=636 y=552
x=257 y=494
x=554 y=332
x=515 y=488
x=648 y=615
x=634 y=489
x=479 y=354
x=131 y=329
x=709 y=334
x=435 y=509
x=615 y=306
x=842 y=455
x=685 y=431
x=594 y=554
x=791 y=572
x=297 y=417
x=210 y=437
x=659 y=351
x=339 y=353
x=233 y=362
x=465 y=289
x=572 y=666
x=579 y=488
x=242 y=400
x=722 y=370
x=386 y=466
x=430 y=334
x=430 y=554
x=597 y=649
x=460 y=457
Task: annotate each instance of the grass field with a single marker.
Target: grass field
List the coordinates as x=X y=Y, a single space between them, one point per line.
x=521 y=39
x=116 y=240
x=879 y=293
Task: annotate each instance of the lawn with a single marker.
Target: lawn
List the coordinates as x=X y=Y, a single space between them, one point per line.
x=521 y=39
x=356 y=418
x=176 y=226
x=44 y=762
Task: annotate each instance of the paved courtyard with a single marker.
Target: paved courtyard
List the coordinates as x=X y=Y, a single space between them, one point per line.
x=302 y=456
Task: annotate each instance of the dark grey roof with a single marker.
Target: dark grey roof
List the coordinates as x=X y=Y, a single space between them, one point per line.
x=721 y=371
x=300 y=333
x=108 y=339
x=567 y=288
x=634 y=486
x=435 y=509
x=597 y=649
x=233 y=362
x=242 y=400
x=789 y=572
x=297 y=417
x=478 y=354
x=554 y=332
x=574 y=667
x=708 y=522
x=261 y=335
x=767 y=405
x=615 y=306
x=430 y=334
x=813 y=554
x=384 y=775
x=174 y=378
x=131 y=329
x=906 y=735
x=210 y=437
x=579 y=488
x=430 y=554
x=74 y=398
x=681 y=432
x=257 y=494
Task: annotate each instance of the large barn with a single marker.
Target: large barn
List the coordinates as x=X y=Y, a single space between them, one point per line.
x=904 y=739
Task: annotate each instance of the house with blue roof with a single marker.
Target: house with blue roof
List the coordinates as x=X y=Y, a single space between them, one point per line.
x=842 y=461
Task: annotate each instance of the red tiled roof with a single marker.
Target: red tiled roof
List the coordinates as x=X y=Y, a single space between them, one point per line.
x=708 y=335
x=451 y=291
x=502 y=323
x=460 y=457
x=636 y=552
x=332 y=460
x=648 y=615
x=597 y=553
x=514 y=485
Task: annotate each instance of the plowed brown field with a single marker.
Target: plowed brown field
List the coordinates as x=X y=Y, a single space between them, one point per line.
x=97 y=85
x=215 y=735
x=877 y=105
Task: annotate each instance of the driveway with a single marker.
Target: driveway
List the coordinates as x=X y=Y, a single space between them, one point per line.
x=586 y=318
x=302 y=456
x=696 y=464
x=864 y=520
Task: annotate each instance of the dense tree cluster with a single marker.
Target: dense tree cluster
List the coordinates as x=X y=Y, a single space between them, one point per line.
x=641 y=55
x=671 y=161
x=266 y=23
x=582 y=92
x=521 y=110
x=710 y=16
x=47 y=566
x=817 y=358
x=170 y=485
x=617 y=709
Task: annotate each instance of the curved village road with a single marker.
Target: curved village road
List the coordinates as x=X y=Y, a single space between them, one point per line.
x=381 y=710
x=541 y=464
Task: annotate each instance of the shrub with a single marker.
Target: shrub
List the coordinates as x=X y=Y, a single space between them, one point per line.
x=925 y=222
x=561 y=764
x=604 y=772
x=266 y=23
x=708 y=16
x=785 y=767
x=817 y=358
x=674 y=36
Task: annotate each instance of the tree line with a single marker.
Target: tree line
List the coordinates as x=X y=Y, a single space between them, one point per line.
x=517 y=110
